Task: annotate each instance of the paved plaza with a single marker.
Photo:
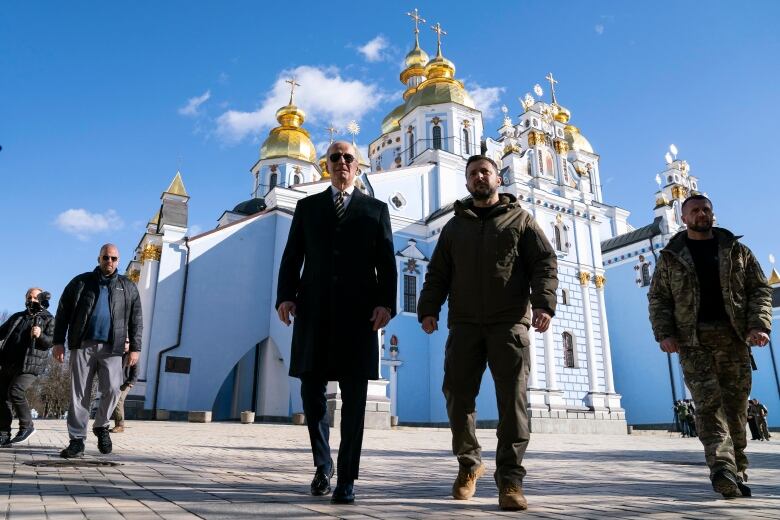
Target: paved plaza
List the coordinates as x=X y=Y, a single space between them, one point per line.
x=177 y=470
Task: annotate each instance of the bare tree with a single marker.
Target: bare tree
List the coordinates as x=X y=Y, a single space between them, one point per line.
x=50 y=393
x=4 y=315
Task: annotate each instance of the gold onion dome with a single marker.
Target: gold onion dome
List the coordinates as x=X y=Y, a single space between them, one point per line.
x=416 y=57
x=392 y=121
x=576 y=140
x=323 y=162
x=562 y=115
x=289 y=139
x=437 y=92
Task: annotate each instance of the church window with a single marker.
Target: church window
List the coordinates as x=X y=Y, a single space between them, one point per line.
x=411 y=146
x=670 y=179
x=410 y=293
x=558 y=238
x=564 y=297
x=274 y=180
x=398 y=201
x=437 y=137
x=466 y=143
x=297 y=179
x=645 y=274
x=568 y=350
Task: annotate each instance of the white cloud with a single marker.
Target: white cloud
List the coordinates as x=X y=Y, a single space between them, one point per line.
x=194 y=103
x=81 y=223
x=599 y=28
x=374 y=50
x=324 y=95
x=486 y=99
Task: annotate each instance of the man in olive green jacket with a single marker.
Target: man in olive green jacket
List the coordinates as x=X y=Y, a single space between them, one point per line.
x=492 y=260
x=709 y=300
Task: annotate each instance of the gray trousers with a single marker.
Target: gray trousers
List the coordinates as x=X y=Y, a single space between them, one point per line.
x=504 y=348
x=86 y=362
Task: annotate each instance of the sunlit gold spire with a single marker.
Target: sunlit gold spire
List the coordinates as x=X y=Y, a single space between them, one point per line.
x=439 y=31
x=293 y=84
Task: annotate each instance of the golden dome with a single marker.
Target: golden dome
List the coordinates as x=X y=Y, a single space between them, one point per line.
x=437 y=92
x=562 y=115
x=323 y=162
x=440 y=67
x=289 y=139
x=391 y=122
x=416 y=57
x=576 y=140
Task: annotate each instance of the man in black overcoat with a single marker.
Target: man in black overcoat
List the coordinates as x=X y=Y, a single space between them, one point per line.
x=345 y=294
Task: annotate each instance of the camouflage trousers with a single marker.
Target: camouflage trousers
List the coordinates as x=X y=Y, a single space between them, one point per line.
x=718 y=374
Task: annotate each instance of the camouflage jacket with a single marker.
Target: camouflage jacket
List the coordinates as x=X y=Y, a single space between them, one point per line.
x=674 y=292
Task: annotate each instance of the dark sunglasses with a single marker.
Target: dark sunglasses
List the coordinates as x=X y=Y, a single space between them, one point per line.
x=348 y=157
x=106 y=258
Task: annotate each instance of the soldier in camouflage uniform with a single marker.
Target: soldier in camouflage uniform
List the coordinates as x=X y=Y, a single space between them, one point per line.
x=709 y=300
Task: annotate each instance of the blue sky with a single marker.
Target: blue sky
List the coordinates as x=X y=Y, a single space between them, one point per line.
x=101 y=102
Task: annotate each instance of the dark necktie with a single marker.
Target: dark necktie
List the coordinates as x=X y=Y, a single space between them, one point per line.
x=340 y=205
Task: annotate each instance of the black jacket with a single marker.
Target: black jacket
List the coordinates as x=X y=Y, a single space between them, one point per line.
x=37 y=354
x=78 y=301
x=348 y=270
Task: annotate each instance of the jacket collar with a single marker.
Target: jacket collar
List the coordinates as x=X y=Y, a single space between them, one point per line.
x=506 y=202
x=725 y=240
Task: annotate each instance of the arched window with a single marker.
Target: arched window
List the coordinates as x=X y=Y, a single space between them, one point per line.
x=274 y=180
x=411 y=146
x=645 y=274
x=564 y=297
x=466 y=143
x=297 y=179
x=558 y=238
x=437 y=137
x=568 y=350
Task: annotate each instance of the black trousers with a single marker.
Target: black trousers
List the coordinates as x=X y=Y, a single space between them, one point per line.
x=13 y=384
x=469 y=350
x=353 y=411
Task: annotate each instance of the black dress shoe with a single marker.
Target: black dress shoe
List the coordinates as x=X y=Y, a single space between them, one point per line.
x=320 y=485
x=343 y=494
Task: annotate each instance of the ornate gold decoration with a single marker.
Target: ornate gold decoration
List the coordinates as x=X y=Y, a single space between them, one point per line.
x=679 y=192
x=535 y=138
x=289 y=139
x=466 y=123
x=134 y=275
x=561 y=146
x=151 y=252
x=600 y=281
x=584 y=278
x=511 y=148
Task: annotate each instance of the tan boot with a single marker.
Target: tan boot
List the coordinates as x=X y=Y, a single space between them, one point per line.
x=466 y=483
x=117 y=429
x=511 y=498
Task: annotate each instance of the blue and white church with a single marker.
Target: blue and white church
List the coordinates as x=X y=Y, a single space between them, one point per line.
x=213 y=341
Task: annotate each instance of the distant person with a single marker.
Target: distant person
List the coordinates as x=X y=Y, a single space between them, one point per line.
x=97 y=312
x=755 y=433
x=691 y=418
x=131 y=376
x=25 y=339
x=499 y=272
x=761 y=413
x=709 y=300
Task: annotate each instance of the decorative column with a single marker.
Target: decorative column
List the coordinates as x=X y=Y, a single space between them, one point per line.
x=595 y=399
x=147 y=289
x=536 y=395
x=554 y=395
x=613 y=399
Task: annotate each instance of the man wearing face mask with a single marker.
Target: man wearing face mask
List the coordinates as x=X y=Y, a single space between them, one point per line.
x=709 y=300
x=499 y=272
x=98 y=310
x=345 y=294
x=25 y=339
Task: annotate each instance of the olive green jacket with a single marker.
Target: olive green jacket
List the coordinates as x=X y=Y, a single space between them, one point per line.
x=491 y=268
x=674 y=292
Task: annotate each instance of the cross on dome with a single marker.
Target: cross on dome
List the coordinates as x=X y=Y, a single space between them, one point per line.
x=293 y=84
x=439 y=31
x=414 y=15
x=549 y=77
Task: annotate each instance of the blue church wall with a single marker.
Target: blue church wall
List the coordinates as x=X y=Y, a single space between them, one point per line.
x=235 y=278
x=640 y=369
x=765 y=387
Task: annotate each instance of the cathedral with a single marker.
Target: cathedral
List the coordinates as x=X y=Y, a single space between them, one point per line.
x=212 y=339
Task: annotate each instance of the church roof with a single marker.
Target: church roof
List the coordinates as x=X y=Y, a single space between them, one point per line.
x=250 y=207
x=177 y=186
x=776 y=297
x=632 y=237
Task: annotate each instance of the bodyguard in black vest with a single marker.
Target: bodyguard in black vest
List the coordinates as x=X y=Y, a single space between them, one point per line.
x=345 y=294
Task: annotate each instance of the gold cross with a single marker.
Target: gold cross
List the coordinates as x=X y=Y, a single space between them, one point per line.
x=414 y=15
x=552 y=81
x=439 y=31
x=332 y=131
x=293 y=84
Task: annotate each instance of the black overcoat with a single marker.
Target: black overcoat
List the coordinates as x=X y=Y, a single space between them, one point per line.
x=348 y=270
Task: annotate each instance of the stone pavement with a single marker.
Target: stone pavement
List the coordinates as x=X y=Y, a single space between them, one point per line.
x=178 y=470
